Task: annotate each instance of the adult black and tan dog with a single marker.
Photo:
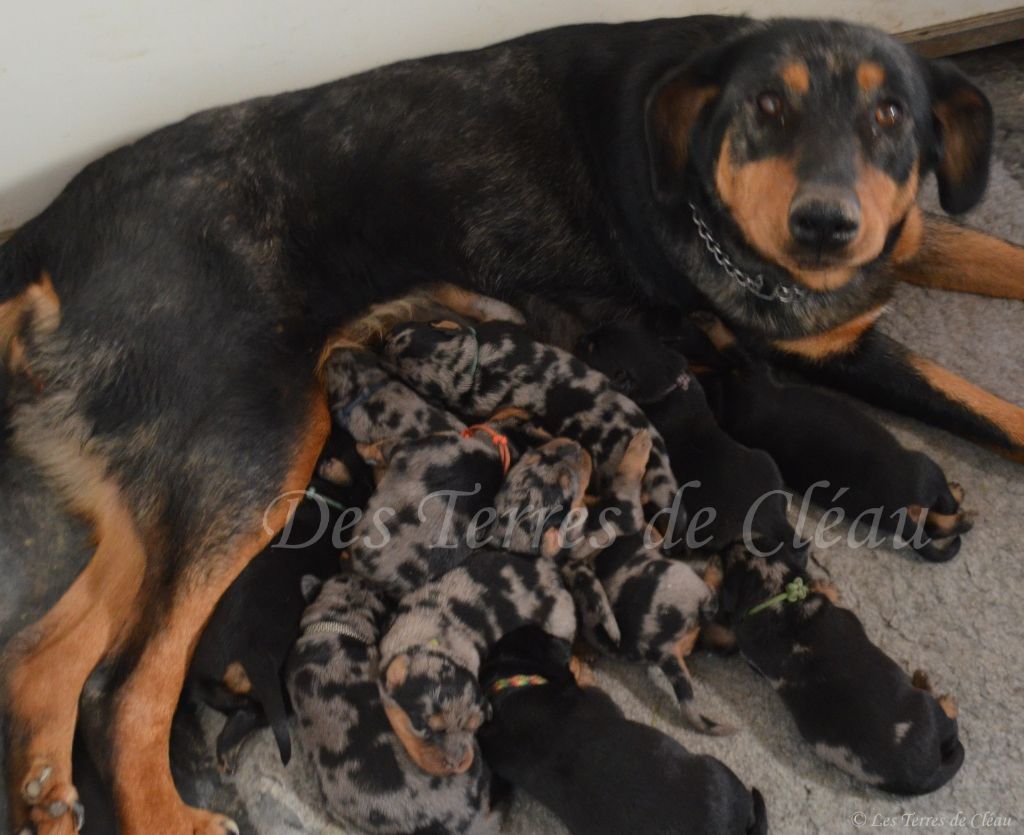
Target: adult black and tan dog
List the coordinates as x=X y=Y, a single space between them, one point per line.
x=164 y=316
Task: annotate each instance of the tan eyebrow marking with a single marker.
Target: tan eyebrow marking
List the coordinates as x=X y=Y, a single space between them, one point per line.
x=796 y=76
x=870 y=76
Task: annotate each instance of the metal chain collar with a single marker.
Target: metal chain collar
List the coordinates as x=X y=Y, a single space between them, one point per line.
x=753 y=284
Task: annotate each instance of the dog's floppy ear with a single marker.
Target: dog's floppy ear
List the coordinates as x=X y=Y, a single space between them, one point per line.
x=673 y=109
x=964 y=125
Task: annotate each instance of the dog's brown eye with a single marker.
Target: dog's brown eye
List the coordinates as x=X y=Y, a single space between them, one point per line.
x=770 y=105
x=888 y=114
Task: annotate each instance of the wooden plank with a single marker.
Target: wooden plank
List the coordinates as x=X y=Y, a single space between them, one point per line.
x=967 y=34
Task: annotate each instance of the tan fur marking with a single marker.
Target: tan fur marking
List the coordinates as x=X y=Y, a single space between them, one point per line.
x=909 y=241
x=956 y=258
x=883 y=203
x=836 y=341
x=713 y=575
x=796 y=77
x=718 y=637
x=870 y=76
x=758 y=195
x=826 y=588
x=426 y=756
x=1008 y=417
x=237 y=680
x=675 y=110
x=684 y=646
x=582 y=671
x=949 y=706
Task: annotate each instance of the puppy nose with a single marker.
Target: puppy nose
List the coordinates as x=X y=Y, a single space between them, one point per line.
x=824 y=218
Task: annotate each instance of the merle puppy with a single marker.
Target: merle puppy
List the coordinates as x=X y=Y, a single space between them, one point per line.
x=533 y=515
x=369 y=403
x=475 y=371
x=237 y=664
x=432 y=651
x=365 y=775
x=816 y=438
x=573 y=750
x=850 y=700
x=740 y=486
x=422 y=520
x=659 y=605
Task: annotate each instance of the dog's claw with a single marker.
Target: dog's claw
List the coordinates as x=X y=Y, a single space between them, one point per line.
x=231 y=826
x=78 y=814
x=27 y=829
x=34 y=788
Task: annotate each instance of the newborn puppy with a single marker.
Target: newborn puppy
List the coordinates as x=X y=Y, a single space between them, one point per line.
x=572 y=749
x=431 y=654
x=367 y=779
x=367 y=402
x=814 y=436
x=659 y=605
x=853 y=703
x=741 y=487
x=238 y=661
x=417 y=525
x=477 y=370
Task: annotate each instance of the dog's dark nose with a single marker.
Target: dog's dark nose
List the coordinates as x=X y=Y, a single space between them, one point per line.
x=824 y=219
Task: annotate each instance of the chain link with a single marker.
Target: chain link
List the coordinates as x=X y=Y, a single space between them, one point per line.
x=753 y=284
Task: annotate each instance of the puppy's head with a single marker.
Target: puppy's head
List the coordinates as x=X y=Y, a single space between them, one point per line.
x=439 y=359
x=435 y=708
x=638 y=364
x=811 y=138
x=545 y=485
x=348 y=371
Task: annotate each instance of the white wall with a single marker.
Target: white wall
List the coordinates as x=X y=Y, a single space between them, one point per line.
x=78 y=77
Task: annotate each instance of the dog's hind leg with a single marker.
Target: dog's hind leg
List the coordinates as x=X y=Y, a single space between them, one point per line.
x=954 y=257
x=47 y=666
x=153 y=670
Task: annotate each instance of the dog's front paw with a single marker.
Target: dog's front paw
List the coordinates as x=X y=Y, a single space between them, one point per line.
x=54 y=807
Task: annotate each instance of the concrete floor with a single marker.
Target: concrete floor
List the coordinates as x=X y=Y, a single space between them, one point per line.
x=961 y=621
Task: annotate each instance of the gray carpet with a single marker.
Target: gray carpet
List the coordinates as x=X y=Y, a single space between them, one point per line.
x=960 y=621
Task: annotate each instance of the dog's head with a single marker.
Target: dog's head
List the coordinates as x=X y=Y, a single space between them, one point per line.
x=545 y=485
x=435 y=708
x=813 y=137
x=635 y=360
x=438 y=359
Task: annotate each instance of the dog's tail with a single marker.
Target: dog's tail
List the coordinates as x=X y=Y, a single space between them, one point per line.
x=267 y=688
x=759 y=826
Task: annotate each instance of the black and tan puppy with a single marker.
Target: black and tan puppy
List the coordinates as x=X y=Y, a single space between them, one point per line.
x=365 y=775
x=431 y=653
x=572 y=749
x=729 y=489
x=858 y=465
x=238 y=663
x=856 y=706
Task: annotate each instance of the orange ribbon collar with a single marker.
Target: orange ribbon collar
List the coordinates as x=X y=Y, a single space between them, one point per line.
x=499 y=440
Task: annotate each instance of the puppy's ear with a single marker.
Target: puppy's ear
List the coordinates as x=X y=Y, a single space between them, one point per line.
x=964 y=128
x=551 y=543
x=396 y=673
x=378 y=453
x=310 y=587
